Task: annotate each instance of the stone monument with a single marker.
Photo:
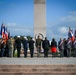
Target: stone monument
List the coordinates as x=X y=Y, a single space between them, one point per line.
x=40 y=17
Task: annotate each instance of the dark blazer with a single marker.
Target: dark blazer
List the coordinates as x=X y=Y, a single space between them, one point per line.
x=31 y=44
x=18 y=43
x=46 y=44
x=25 y=44
x=53 y=44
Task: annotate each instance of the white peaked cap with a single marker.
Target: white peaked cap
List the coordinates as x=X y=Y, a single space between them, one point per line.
x=25 y=37
x=33 y=39
x=18 y=36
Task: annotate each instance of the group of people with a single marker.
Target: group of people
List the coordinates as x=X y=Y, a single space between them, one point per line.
x=67 y=47
x=64 y=47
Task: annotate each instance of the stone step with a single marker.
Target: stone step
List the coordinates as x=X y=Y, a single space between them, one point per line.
x=37 y=73
x=39 y=70
x=37 y=66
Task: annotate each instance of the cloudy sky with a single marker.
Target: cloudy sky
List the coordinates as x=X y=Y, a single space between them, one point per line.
x=18 y=15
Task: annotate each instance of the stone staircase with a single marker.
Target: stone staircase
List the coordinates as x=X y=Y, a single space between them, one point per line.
x=38 y=69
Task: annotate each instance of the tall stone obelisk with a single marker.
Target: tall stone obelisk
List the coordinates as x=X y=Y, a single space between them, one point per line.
x=40 y=17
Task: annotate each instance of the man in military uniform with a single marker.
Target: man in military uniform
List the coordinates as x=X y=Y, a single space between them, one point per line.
x=38 y=45
x=10 y=43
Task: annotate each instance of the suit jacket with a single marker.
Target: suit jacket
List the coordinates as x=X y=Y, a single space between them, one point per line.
x=25 y=44
x=53 y=44
x=31 y=44
x=18 y=43
x=46 y=44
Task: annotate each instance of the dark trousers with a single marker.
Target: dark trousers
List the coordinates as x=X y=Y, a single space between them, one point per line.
x=2 y=52
x=68 y=52
x=31 y=52
x=25 y=52
x=14 y=51
x=65 y=52
x=6 y=52
x=53 y=54
x=38 y=51
x=61 y=52
x=18 y=51
x=74 y=52
x=45 y=52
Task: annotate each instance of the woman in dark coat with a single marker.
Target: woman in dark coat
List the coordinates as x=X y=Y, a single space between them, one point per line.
x=53 y=47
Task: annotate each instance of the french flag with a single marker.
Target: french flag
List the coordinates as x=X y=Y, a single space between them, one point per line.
x=6 y=33
x=3 y=31
x=70 y=34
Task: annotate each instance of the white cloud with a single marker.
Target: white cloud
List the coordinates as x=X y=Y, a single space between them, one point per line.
x=21 y=30
x=73 y=12
x=59 y=28
x=17 y=29
x=69 y=18
x=11 y=24
x=57 y=33
x=63 y=30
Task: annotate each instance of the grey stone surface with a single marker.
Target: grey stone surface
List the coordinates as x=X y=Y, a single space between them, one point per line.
x=39 y=1
x=39 y=17
x=37 y=61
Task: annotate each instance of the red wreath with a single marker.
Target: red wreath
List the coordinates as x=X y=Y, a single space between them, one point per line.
x=53 y=49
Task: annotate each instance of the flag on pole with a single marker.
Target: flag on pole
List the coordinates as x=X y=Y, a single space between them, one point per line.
x=70 y=34
x=3 y=31
x=6 y=33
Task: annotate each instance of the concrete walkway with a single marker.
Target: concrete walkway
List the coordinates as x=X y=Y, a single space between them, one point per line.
x=37 y=61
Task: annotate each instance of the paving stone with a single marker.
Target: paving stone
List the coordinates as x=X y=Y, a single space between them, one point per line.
x=36 y=61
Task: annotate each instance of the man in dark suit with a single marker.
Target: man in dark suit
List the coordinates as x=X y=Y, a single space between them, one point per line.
x=46 y=46
x=25 y=45
x=18 y=43
x=65 y=47
x=31 y=46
